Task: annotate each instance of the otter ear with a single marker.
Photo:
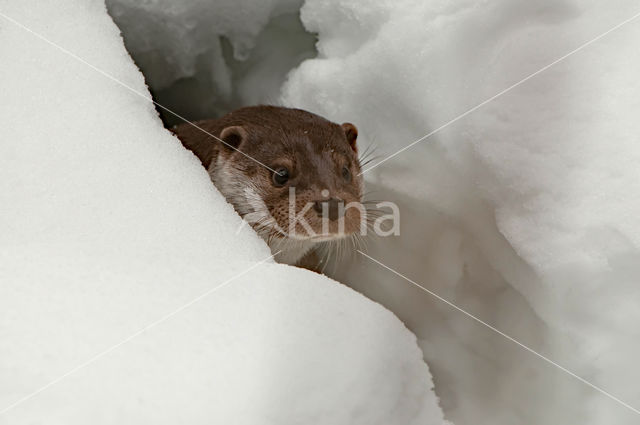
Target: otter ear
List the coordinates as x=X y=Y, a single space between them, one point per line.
x=233 y=136
x=351 y=132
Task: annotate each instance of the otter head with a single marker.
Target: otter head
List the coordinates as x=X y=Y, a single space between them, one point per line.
x=290 y=173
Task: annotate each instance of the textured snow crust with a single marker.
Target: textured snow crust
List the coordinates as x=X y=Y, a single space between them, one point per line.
x=525 y=212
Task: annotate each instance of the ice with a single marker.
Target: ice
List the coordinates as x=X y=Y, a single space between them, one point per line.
x=524 y=212
x=127 y=294
x=219 y=54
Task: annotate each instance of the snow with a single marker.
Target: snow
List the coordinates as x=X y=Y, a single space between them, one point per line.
x=127 y=294
x=524 y=212
x=221 y=55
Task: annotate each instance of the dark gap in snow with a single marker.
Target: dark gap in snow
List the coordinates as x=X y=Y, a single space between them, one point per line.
x=197 y=67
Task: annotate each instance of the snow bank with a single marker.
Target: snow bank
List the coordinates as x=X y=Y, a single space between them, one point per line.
x=525 y=212
x=124 y=283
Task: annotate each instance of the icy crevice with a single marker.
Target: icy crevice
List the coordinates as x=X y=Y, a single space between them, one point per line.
x=203 y=59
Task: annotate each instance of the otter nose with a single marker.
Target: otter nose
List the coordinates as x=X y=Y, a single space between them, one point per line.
x=334 y=208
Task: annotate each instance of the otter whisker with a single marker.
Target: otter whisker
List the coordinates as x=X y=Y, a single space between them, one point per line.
x=254 y=136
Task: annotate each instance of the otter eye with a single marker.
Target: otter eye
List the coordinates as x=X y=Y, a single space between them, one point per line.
x=346 y=174
x=281 y=176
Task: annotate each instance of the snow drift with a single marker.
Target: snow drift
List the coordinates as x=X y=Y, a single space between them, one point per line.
x=126 y=294
x=524 y=212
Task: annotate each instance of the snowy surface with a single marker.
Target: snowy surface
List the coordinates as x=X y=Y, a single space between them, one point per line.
x=126 y=294
x=526 y=212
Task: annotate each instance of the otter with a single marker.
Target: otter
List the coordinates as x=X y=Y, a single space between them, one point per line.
x=291 y=174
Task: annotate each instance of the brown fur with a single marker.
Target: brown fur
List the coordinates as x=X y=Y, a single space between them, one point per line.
x=314 y=149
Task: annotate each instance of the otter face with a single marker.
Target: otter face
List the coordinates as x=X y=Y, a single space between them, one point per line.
x=313 y=190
